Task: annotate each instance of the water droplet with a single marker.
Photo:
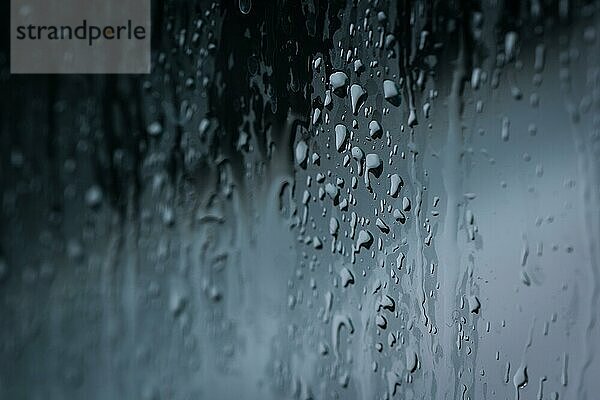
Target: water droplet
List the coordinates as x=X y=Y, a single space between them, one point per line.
x=357 y=95
x=341 y=133
x=245 y=6
x=301 y=153
x=346 y=276
x=338 y=81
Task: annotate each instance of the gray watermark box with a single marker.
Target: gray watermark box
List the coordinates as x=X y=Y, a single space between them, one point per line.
x=80 y=37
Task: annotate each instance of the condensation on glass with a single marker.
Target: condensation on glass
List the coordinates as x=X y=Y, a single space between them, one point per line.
x=311 y=200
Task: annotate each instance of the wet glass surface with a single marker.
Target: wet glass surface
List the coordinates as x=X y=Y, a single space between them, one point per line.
x=310 y=200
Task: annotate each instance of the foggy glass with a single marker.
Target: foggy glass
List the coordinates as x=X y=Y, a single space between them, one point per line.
x=310 y=200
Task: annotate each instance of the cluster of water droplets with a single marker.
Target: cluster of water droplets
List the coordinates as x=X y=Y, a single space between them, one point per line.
x=419 y=221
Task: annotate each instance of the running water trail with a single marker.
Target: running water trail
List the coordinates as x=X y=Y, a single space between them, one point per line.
x=450 y=268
